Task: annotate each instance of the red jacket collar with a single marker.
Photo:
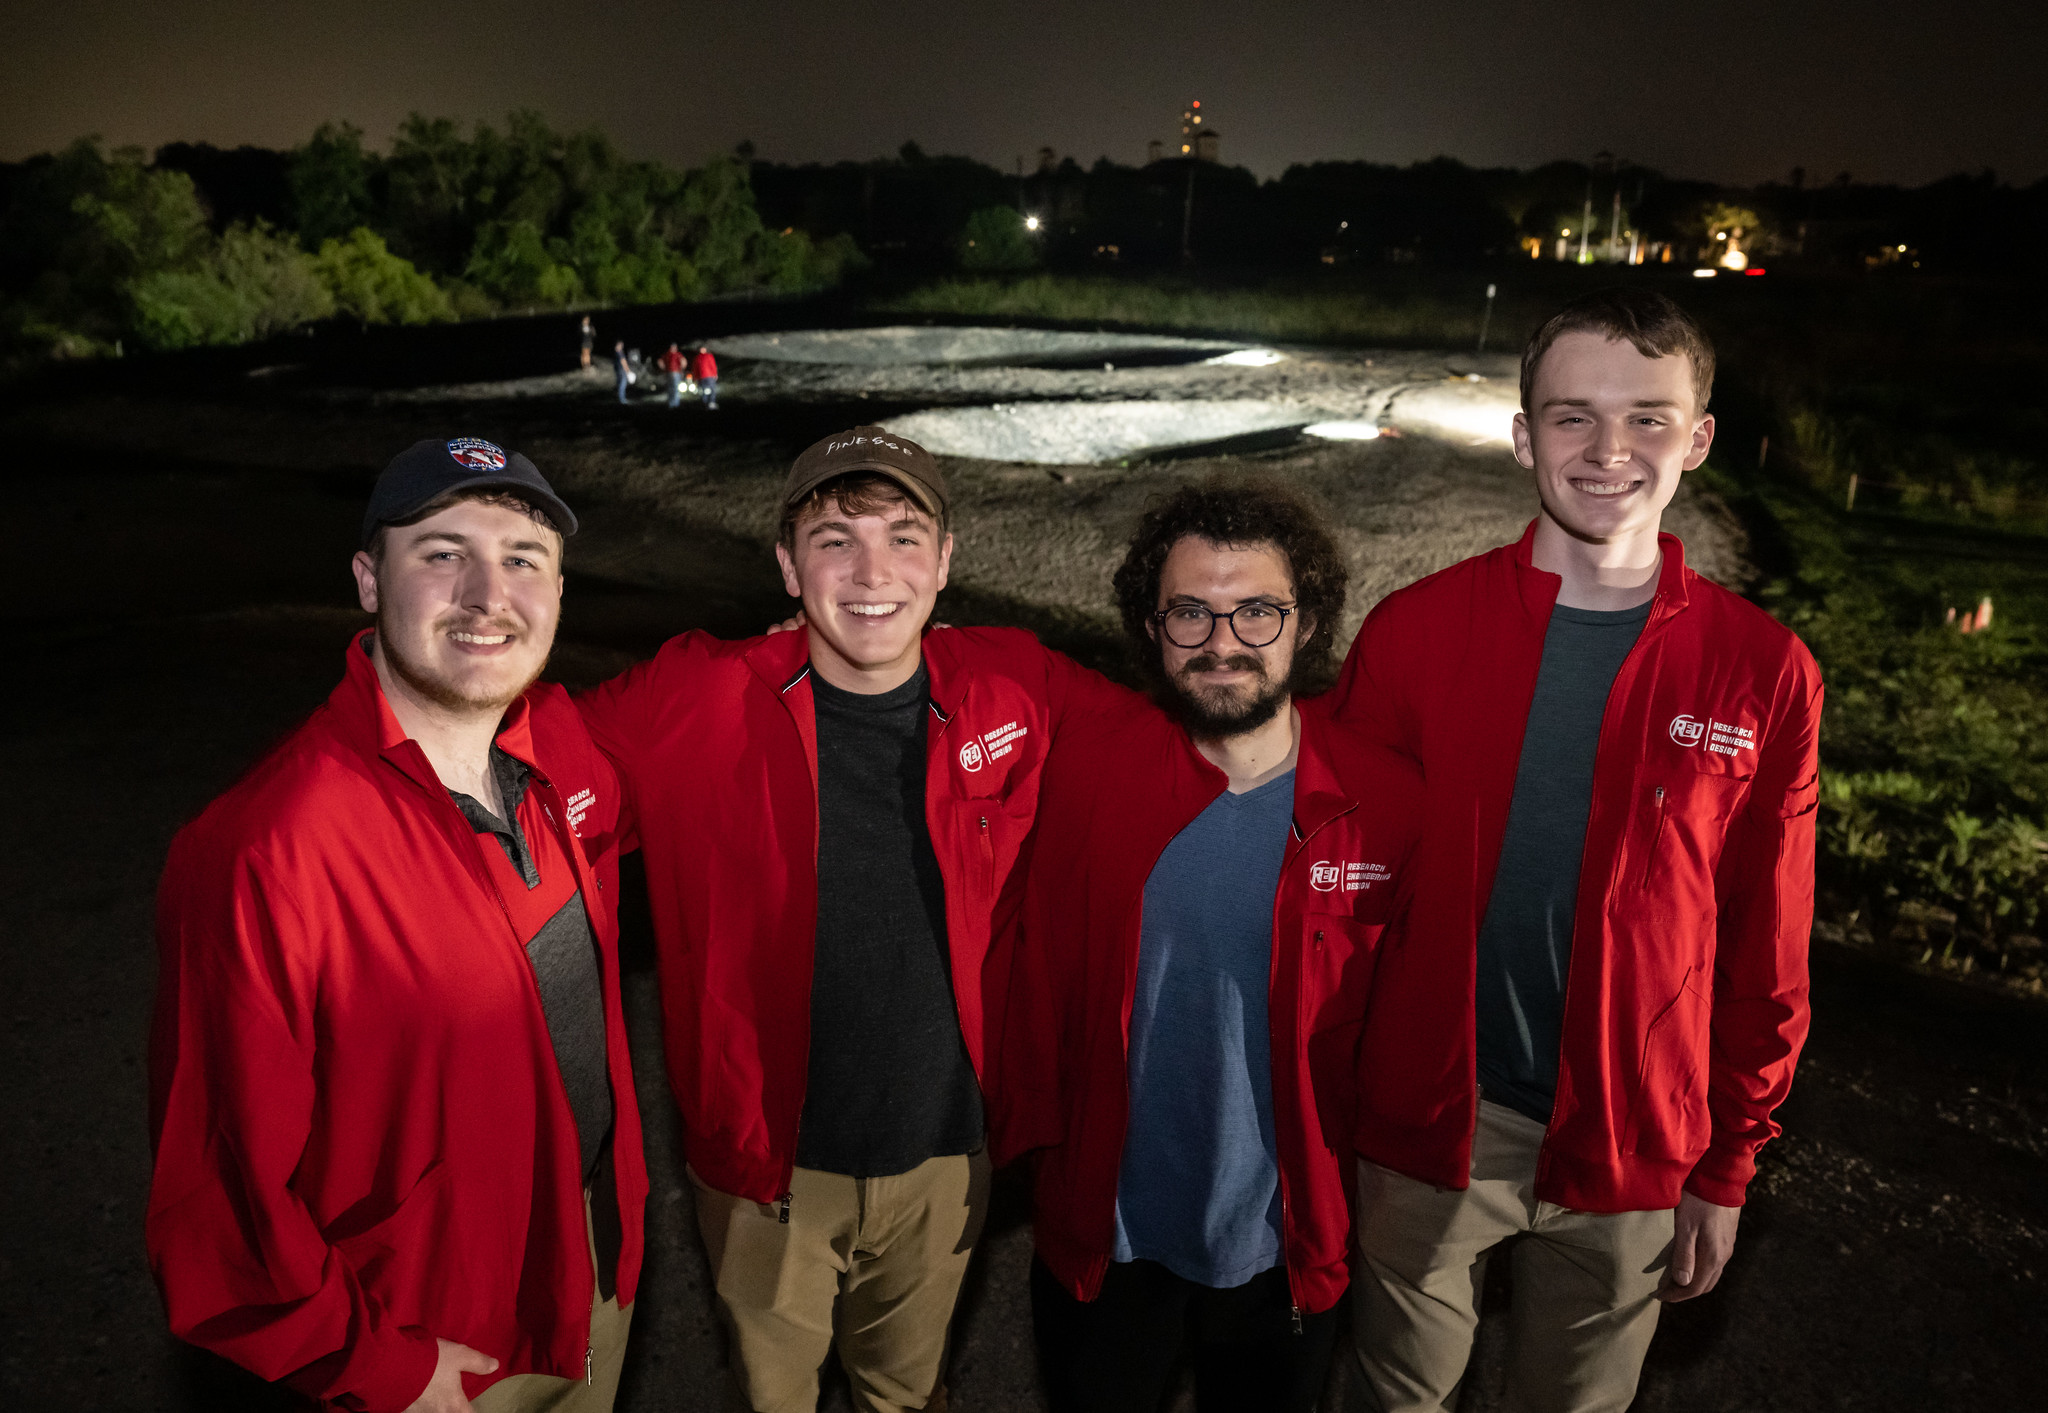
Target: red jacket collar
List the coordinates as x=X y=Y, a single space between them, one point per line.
x=1320 y=792
x=1540 y=586
x=367 y=720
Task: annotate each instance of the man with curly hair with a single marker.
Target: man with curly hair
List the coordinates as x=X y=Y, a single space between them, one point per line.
x=1193 y=943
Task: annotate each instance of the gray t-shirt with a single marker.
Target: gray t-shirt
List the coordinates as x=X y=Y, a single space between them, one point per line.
x=1199 y=1190
x=1525 y=942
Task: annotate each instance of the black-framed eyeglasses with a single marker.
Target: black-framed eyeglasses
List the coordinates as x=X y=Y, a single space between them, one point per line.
x=1191 y=625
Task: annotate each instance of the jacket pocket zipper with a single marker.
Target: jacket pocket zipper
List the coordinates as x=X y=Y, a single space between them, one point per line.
x=1656 y=840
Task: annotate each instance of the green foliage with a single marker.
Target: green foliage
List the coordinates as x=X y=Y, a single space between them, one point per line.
x=1933 y=825
x=367 y=281
x=252 y=284
x=511 y=263
x=330 y=183
x=448 y=224
x=995 y=240
x=1330 y=310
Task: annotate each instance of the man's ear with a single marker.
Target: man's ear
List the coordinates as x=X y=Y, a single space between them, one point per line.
x=787 y=559
x=365 y=570
x=1702 y=442
x=1525 y=450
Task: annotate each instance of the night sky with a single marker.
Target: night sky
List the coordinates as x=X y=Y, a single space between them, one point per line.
x=1739 y=93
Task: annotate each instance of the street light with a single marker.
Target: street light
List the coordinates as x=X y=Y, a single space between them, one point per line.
x=1031 y=223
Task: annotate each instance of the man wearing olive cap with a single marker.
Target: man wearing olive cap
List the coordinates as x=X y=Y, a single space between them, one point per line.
x=829 y=818
x=397 y=1149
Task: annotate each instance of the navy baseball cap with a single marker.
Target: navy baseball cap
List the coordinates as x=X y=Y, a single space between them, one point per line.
x=428 y=470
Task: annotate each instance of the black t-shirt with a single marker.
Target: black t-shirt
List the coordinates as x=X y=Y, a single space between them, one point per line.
x=1525 y=942
x=889 y=1084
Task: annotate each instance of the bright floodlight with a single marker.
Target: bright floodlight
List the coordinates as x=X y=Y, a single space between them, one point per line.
x=1246 y=358
x=1031 y=223
x=1342 y=431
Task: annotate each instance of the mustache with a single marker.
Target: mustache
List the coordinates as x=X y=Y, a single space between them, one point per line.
x=1234 y=662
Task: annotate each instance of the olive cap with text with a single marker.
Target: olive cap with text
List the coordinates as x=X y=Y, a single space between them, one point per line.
x=869 y=449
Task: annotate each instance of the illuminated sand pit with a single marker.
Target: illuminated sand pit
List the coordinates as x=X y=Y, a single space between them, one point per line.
x=1086 y=433
x=1474 y=413
x=904 y=345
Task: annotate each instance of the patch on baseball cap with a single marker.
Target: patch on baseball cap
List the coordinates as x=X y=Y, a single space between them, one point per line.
x=477 y=454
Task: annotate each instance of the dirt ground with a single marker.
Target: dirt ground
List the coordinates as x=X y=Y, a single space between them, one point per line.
x=183 y=600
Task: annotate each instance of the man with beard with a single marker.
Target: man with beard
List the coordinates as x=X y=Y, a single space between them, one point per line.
x=1194 y=940
x=397 y=1150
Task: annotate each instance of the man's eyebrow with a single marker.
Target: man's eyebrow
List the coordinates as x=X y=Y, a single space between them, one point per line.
x=824 y=525
x=1567 y=402
x=530 y=546
x=908 y=522
x=1173 y=599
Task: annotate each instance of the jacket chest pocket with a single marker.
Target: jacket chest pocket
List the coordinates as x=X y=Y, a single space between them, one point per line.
x=1338 y=954
x=1679 y=820
x=1337 y=957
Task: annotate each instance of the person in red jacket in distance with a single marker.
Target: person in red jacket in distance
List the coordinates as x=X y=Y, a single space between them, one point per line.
x=1205 y=889
x=397 y=1146
x=1580 y=1030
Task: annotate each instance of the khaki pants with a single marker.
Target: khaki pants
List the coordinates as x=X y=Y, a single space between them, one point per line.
x=876 y=1261
x=544 y=1393
x=1585 y=1282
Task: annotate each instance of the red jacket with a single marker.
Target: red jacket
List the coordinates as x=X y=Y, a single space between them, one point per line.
x=717 y=745
x=672 y=361
x=703 y=365
x=1117 y=790
x=362 y=1138
x=1686 y=1000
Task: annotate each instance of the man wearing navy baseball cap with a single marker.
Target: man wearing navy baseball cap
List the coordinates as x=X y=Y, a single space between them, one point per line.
x=398 y=1157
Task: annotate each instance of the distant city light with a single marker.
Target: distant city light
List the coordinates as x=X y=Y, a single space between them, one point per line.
x=1703 y=273
x=1902 y=250
x=1734 y=260
x=1198 y=102
x=1720 y=235
x=1567 y=230
x=1343 y=225
x=1754 y=270
x=1031 y=223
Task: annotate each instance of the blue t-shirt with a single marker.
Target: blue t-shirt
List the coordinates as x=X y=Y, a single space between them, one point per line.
x=1199 y=1190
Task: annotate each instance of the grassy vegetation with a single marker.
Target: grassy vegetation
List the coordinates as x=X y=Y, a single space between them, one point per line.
x=1430 y=308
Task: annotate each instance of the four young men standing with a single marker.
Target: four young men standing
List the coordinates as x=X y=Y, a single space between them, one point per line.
x=1503 y=939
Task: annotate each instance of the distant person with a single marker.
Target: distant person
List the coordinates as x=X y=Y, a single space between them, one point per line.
x=704 y=368
x=589 y=339
x=829 y=817
x=1194 y=948
x=672 y=363
x=397 y=1146
x=623 y=367
x=1580 y=1032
